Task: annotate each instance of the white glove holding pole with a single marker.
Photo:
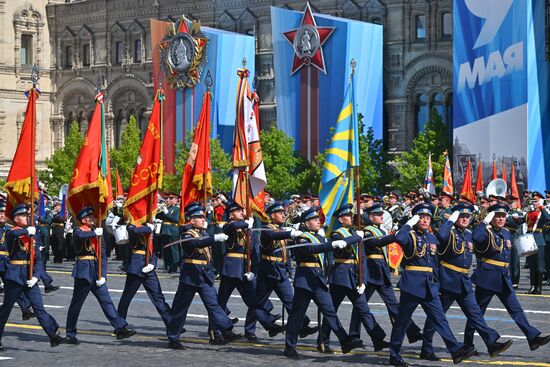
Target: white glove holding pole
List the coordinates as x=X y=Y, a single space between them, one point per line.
x=164 y=210
x=31 y=230
x=220 y=237
x=489 y=218
x=411 y=222
x=100 y=282
x=249 y=276
x=250 y=222
x=339 y=244
x=453 y=218
x=147 y=269
x=98 y=232
x=294 y=233
x=32 y=282
x=360 y=234
x=151 y=226
x=361 y=289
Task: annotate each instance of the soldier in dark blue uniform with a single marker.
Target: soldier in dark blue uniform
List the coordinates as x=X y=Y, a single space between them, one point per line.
x=378 y=276
x=19 y=240
x=344 y=279
x=86 y=280
x=169 y=232
x=493 y=244
x=513 y=223
x=139 y=273
x=234 y=272
x=455 y=254
x=44 y=223
x=273 y=272
x=310 y=284
x=196 y=277
x=419 y=286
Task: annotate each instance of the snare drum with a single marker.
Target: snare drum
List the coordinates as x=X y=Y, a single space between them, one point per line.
x=121 y=235
x=526 y=244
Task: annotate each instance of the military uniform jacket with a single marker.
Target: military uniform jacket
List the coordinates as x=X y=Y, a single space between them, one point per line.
x=453 y=252
x=274 y=265
x=18 y=244
x=195 y=266
x=44 y=223
x=307 y=277
x=544 y=220
x=234 y=263
x=58 y=224
x=377 y=271
x=170 y=221
x=86 y=244
x=493 y=248
x=416 y=253
x=345 y=271
x=138 y=238
x=513 y=224
x=4 y=259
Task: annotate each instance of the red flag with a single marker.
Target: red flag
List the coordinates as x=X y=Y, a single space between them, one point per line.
x=467 y=191
x=448 y=177
x=494 y=176
x=514 y=186
x=91 y=182
x=504 y=171
x=196 y=182
x=479 y=178
x=119 y=190
x=141 y=204
x=23 y=170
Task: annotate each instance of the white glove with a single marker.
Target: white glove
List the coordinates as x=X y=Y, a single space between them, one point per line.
x=321 y=232
x=294 y=233
x=361 y=289
x=250 y=222
x=454 y=216
x=31 y=230
x=98 y=232
x=164 y=210
x=360 y=233
x=147 y=269
x=119 y=204
x=220 y=237
x=40 y=248
x=489 y=217
x=339 y=244
x=32 y=282
x=411 y=222
x=249 y=276
x=515 y=215
x=100 y=282
x=151 y=226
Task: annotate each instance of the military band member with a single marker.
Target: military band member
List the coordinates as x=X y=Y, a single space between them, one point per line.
x=310 y=284
x=393 y=207
x=513 y=223
x=345 y=282
x=493 y=245
x=140 y=273
x=455 y=254
x=19 y=241
x=57 y=238
x=419 y=285
x=378 y=273
x=196 y=277
x=536 y=221
x=169 y=232
x=87 y=239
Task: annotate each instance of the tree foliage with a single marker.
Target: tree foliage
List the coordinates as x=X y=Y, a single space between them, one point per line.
x=124 y=158
x=61 y=164
x=412 y=165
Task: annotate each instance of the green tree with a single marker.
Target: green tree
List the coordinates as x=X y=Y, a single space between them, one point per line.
x=411 y=166
x=124 y=158
x=61 y=164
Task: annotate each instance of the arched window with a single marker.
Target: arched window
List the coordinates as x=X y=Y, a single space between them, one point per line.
x=119 y=52
x=68 y=57
x=437 y=103
x=137 y=51
x=420 y=24
x=422 y=112
x=86 y=55
x=26 y=49
x=446 y=26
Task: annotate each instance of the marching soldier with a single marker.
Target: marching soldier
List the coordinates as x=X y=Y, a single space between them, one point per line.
x=378 y=274
x=345 y=282
x=169 y=232
x=44 y=234
x=196 y=277
x=419 y=285
x=513 y=222
x=57 y=239
x=141 y=273
x=19 y=242
x=493 y=244
x=455 y=254
x=310 y=284
x=87 y=242
x=443 y=211
x=537 y=220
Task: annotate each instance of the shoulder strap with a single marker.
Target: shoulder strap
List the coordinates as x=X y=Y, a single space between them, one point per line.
x=375 y=231
x=310 y=237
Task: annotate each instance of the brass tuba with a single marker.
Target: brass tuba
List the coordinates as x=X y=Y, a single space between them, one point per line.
x=497 y=187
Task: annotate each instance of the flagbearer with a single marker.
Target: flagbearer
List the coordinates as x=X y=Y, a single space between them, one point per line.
x=455 y=254
x=419 y=285
x=19 y=242
x=345 y=282
x=87 y=239
x=378 y=275
x=139 y=273
x=196 y=277
x=493 y=246
x=310 y=284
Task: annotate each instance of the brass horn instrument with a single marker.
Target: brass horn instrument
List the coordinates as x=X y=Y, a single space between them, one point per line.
x=497 y=187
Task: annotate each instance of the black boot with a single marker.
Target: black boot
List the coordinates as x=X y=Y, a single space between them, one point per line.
x=27 y=314
x=72 y=340
x=290 y=352
x=415 y=337
x=176 y=345
x=429 y=356
x=250 y=337
x=2 y=349
x=56 y=340
x=51 y=288
x=539 y=341
x=380 y=344
x=308 y=330
x=276 y=329
x=463 y=353
x=533 y=281
x=125 y=333
x=540 y=276
x=350 y=344
x=229 y=336
x=325 y=349
x=497 y=348
x=398 y=362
